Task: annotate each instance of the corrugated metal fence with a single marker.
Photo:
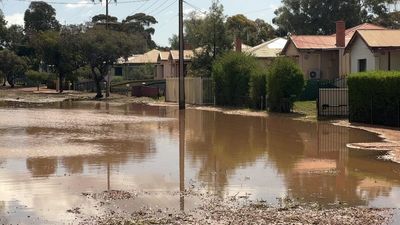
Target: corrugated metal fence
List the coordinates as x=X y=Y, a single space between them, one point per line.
x=198 y=91
x=333 y=102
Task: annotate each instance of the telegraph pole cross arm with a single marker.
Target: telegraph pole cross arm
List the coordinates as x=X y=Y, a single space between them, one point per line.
x=181 y=59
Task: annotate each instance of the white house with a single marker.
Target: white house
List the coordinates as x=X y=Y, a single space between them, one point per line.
x=374 y=50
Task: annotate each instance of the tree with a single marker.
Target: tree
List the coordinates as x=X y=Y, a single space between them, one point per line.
x=15 y=38
x=102 y=48
x=3 y=30
x=209 y=32
x=250 y=32
x=40 y=16
x=211 y=35
x=62 y=51
x=102 y=18
x=284 y=85
x=319 y=16
x=11 y=66
x=141 y=24
x=174 y=42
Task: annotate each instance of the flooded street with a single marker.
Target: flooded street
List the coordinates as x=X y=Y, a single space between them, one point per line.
x=51 y=154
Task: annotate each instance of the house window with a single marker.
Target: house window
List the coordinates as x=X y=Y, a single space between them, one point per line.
x=118 y=71
x=362 y=65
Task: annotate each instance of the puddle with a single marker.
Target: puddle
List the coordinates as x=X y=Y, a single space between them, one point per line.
x=52 y=153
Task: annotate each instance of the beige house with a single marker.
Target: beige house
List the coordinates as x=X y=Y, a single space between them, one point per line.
x=374 y=50
x=324 y=56
x=138 y=67
x=168 y=63
x=267 y=51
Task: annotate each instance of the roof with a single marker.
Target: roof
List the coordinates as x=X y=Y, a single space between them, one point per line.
x=268 y=49
x=365 y=26
x=148 y=57
x=326 y=42
x=378 y=38
x=164 y=56
x=188 y=54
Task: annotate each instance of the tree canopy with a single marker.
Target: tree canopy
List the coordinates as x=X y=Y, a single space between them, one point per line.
x=40 y=16
x=11 y=66
x=319 y=16
x=102 y=48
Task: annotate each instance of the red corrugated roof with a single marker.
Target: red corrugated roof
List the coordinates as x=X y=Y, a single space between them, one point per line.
x=328 y=41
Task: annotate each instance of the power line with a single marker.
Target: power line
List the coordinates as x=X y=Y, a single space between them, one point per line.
x=168 y=6
x=83 y=3
x=158 y=7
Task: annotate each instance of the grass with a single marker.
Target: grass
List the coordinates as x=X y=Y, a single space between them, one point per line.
x=307 y=108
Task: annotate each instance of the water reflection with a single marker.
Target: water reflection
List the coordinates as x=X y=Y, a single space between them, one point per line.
x=98 y=146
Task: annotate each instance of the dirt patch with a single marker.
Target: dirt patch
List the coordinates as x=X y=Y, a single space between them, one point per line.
x=111 y=195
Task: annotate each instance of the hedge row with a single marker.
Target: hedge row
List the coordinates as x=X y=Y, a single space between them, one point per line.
x=374 y=98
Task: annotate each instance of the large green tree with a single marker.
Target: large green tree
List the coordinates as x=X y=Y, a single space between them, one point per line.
x=11 y=66
x=60 y=51
x=141 y=24
x=210 y=33
x=319 y=16
x=40 y=16
x=102 y=48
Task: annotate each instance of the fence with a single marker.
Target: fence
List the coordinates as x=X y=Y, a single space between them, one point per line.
x=198 y=91
x=333 y=102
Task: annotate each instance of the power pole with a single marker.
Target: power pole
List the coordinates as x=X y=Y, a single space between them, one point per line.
x=108 y=81
x=181 y=59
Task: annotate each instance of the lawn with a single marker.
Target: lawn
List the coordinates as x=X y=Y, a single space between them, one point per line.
x=307 y=108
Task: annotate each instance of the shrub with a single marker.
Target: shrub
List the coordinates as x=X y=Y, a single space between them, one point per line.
x=374 y=97
x=258 y=90
x=232 y=73
x=36 y=77
x=311 y=89
x=285 y=83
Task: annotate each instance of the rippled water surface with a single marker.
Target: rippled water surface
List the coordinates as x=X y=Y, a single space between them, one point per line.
x=51 y=154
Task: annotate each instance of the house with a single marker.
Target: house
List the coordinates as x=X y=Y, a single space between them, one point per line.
x=163 y=66
x=374 y=50
x=324 y=56
x=267 y=51
x=168 y=63
x=138 y=67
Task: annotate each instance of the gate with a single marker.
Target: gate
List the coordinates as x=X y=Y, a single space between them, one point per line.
x=334 y=102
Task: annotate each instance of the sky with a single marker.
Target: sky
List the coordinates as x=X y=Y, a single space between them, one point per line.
x=165 y=11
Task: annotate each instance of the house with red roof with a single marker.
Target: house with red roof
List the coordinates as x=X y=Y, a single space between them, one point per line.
x=324 y=56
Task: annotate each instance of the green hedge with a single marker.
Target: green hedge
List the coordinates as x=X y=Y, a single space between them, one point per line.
x=374 y=98
x=237 y=78
x=285 y=84
x=311 y=89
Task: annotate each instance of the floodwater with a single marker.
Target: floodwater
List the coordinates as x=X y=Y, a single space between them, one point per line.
x=51 y=154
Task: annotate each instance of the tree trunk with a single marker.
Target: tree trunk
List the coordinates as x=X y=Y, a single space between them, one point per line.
x=10 y=80
x=61 y=83
x=97 y=80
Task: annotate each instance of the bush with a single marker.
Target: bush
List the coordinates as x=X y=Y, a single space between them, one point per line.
x=232 y=74
x=36 y=77
x=311 y=89
x=374 y=97
x=285 y=83
x=258 y=90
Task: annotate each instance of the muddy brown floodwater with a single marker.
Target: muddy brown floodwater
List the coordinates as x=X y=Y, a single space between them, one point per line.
x=54 y=158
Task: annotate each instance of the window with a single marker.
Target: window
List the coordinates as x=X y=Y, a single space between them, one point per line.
x=118 y=71
x=362 y=65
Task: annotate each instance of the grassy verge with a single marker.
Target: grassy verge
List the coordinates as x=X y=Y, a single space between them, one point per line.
x=307 y=108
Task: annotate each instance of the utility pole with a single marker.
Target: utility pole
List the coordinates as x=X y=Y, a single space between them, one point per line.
x=181 y=59
x=108 y=84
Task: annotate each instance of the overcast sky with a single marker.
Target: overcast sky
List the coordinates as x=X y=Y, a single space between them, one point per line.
x=165 y=11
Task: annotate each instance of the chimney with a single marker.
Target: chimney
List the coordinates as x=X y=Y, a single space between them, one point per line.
x=340 y=34
x=238 y=44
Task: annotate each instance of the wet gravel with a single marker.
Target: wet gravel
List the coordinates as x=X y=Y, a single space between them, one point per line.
x=214 y=210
